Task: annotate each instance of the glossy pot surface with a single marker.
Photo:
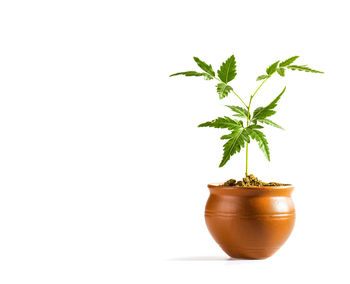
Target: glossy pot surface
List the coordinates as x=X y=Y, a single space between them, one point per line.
x=250 y=222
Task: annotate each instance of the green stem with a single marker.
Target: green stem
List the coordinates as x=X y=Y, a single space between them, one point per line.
x=246 y=160
x=239 y=98
x=252 y=96
x=249 y=120
x=233 y=92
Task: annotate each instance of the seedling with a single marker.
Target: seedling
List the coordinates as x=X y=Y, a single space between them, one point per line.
x=241 y=132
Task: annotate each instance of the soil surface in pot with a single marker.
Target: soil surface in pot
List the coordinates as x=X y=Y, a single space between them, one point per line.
x=251 y=180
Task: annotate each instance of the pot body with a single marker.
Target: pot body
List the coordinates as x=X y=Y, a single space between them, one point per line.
x=251 y=222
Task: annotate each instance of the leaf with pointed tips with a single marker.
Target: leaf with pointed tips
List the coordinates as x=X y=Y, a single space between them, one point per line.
x=227 y=71
x=262 y=142
x=204 y=66
x=193 y=73
x=223 y=90
x=222 y=122
x=263 y=112
x=303 y=68
x=240 y=112
x=255 y=126
x=289 y=61
x=226 y=136
x=269 y=122
x=262 y=77
x=234 y=145
x=272 y=68
x=257 y=111
x=280 y=71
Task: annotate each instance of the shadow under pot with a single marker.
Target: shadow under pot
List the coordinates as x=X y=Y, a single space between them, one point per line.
x=250 y=222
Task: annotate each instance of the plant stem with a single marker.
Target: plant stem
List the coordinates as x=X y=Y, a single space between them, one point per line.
x=249 y=120
x=246 y=160
x=239 y=98
x=233 y=92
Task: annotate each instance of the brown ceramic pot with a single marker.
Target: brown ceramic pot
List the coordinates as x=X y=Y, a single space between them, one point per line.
x=250 y=222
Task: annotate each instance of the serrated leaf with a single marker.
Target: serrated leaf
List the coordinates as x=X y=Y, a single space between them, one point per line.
x=240 y=112
x=234 y=145
x=257 y=111
x=262 y=142
x=272 y=68
x=204 y=66
x=255 y=126
x=288 y=61
x=222 y=122
x=193 y=73
x=269 y=122
x=226 y=136
x=227 y=71
x=263 y=112
x=303 y=68
x=280 y=71
x=223 y=90
x=262 y=77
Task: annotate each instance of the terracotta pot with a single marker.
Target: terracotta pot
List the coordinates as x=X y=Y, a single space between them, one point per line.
x=250 y=222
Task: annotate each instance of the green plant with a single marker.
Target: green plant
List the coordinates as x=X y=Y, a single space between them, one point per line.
x=241 y=133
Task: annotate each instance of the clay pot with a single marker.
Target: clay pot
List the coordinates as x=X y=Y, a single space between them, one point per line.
x=250 y=222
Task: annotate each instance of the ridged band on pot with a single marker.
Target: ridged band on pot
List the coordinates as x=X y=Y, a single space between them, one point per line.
x=250 y=222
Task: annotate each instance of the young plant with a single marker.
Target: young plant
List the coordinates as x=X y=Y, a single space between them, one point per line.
x=241 y=132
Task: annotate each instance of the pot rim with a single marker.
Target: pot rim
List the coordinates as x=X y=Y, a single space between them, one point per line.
x=216 y=185
x=250 y=190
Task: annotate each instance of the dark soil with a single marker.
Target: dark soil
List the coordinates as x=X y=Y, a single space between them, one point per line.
x=251 y=180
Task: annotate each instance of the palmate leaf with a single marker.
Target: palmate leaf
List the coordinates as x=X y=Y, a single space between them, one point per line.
x=269 y=122
x=288 y=61
x=227 y=71
x=303 y=68
x=240 y=112
x=260 y=138
x=223 y=90
x=236 y=141
x=223 y=122
x=263 y=112
x=204 y=66
x=193 y=73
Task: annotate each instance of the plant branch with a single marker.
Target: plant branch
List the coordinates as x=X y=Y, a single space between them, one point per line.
x=248 y=121
x=233 y=92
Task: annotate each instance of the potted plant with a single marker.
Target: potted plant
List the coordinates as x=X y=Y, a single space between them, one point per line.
x=248 y=218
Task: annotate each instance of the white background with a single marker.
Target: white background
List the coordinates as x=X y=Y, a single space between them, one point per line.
x=103 y=171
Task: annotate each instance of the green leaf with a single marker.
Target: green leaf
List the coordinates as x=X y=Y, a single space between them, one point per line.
x=262 y=142
x=257 y=111
x=227 y=71
x=269 y=122
x=262 y=77
x=222 y=122
x=223 y=90
x=288 y=61
x=204 y=66
x=280 y=71
x=263 y=112
x=255 y=126
x=227 y=136
x=272 y=68
x=303 y=68
x=193 y=73
x=234 y=145
x=240 y=112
